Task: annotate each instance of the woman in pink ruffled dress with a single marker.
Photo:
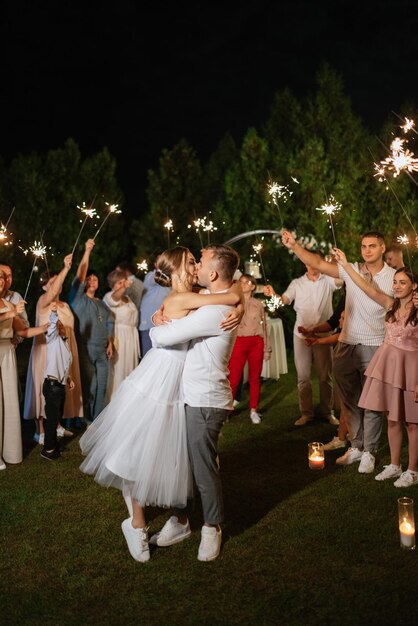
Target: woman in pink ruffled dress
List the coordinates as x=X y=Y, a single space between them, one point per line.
x=391 y=382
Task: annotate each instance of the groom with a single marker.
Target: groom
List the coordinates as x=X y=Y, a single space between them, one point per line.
x=207 y=395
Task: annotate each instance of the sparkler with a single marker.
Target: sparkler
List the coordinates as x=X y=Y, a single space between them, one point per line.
x=3 y=230
x=38 y=252
x=330 y=208
x=404 y=241
x=400 y=160
x=3 y=235
x=88 y=212
x=169 y=226
x=142 y=266
x=279 y=193
x=273 y=303
x=381 y=175
x=113 y=208
x=200 y=223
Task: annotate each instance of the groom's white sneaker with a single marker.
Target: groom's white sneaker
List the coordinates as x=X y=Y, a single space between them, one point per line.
x=172 y=532
x=210 y=543
x=137 y=540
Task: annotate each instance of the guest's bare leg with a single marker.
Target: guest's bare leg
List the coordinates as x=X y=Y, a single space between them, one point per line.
x=395 y=434
x=412 y=446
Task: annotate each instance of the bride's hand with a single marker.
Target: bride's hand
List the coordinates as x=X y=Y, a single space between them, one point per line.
x=233 y=318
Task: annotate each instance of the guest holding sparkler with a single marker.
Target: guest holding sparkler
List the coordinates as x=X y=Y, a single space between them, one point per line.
x=362 y=334
x=11 y=324
x=34 y=404
x=312 y=297
x=94 y=331
x=252 y=345
x=126 y=340
x=392 y=375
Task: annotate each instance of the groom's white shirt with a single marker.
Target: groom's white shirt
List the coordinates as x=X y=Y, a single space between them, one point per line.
x=205 y=375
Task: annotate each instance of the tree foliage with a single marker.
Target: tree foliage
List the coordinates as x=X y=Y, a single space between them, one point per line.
x=316 y=147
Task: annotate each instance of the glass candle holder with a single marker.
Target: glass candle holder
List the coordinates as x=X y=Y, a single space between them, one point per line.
x=316 y=456
x=406 y=523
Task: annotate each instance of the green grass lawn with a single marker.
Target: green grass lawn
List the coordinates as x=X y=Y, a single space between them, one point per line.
x=299 y=546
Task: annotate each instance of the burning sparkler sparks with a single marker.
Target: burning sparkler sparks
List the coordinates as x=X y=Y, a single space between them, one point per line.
x=170 y=228
x=279 y=193
x=88 y=212
x=38 y=250
x=3 y=231
x=400 y=160
x=404 y=241
x=4 y=236
x=273 y=303
x=330 y=208
x=142 y=266
x=200 y=223
x=113 y=208
x=409 y=125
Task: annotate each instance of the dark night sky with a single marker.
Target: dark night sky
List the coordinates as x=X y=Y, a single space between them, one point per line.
x=139 y=79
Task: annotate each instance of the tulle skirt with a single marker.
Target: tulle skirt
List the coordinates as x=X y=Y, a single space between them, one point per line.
x=138 y=443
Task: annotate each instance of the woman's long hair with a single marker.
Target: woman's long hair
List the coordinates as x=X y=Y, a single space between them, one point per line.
x=413 y=314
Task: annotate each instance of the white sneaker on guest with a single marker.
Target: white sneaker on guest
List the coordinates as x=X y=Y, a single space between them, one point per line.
x=172 y=532
x=137 y=540
x=41 y=439
x=255 y=417
x=2 y=464
x=367 y=463
x=335 y=443
x=235 y=403
x=210 y=543
x=62 y=432
x=407 y=479
x=352 y=455
x=389 y=471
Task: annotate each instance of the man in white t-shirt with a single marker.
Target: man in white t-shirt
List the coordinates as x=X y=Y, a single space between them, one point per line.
x=311 y=295
x=207 y=395
x=362 y=334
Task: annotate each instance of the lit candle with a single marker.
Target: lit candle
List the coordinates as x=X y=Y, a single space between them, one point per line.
x=406 y=523
x=316 y=461
x=407 y=533
x=316 y=455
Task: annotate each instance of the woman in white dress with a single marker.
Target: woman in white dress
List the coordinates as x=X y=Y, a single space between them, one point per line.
x=126 y=338
x=10 y=428
x=138 y=443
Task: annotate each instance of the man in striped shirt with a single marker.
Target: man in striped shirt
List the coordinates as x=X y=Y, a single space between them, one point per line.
x=362 y=334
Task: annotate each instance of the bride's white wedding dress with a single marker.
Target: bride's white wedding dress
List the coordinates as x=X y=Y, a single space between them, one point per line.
x=138 y=443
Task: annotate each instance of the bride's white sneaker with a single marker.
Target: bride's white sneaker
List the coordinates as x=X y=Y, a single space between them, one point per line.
x=137 y=540
x=172 y=532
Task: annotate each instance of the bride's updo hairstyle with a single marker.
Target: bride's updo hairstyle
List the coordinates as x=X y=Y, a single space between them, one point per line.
x=168 y=262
